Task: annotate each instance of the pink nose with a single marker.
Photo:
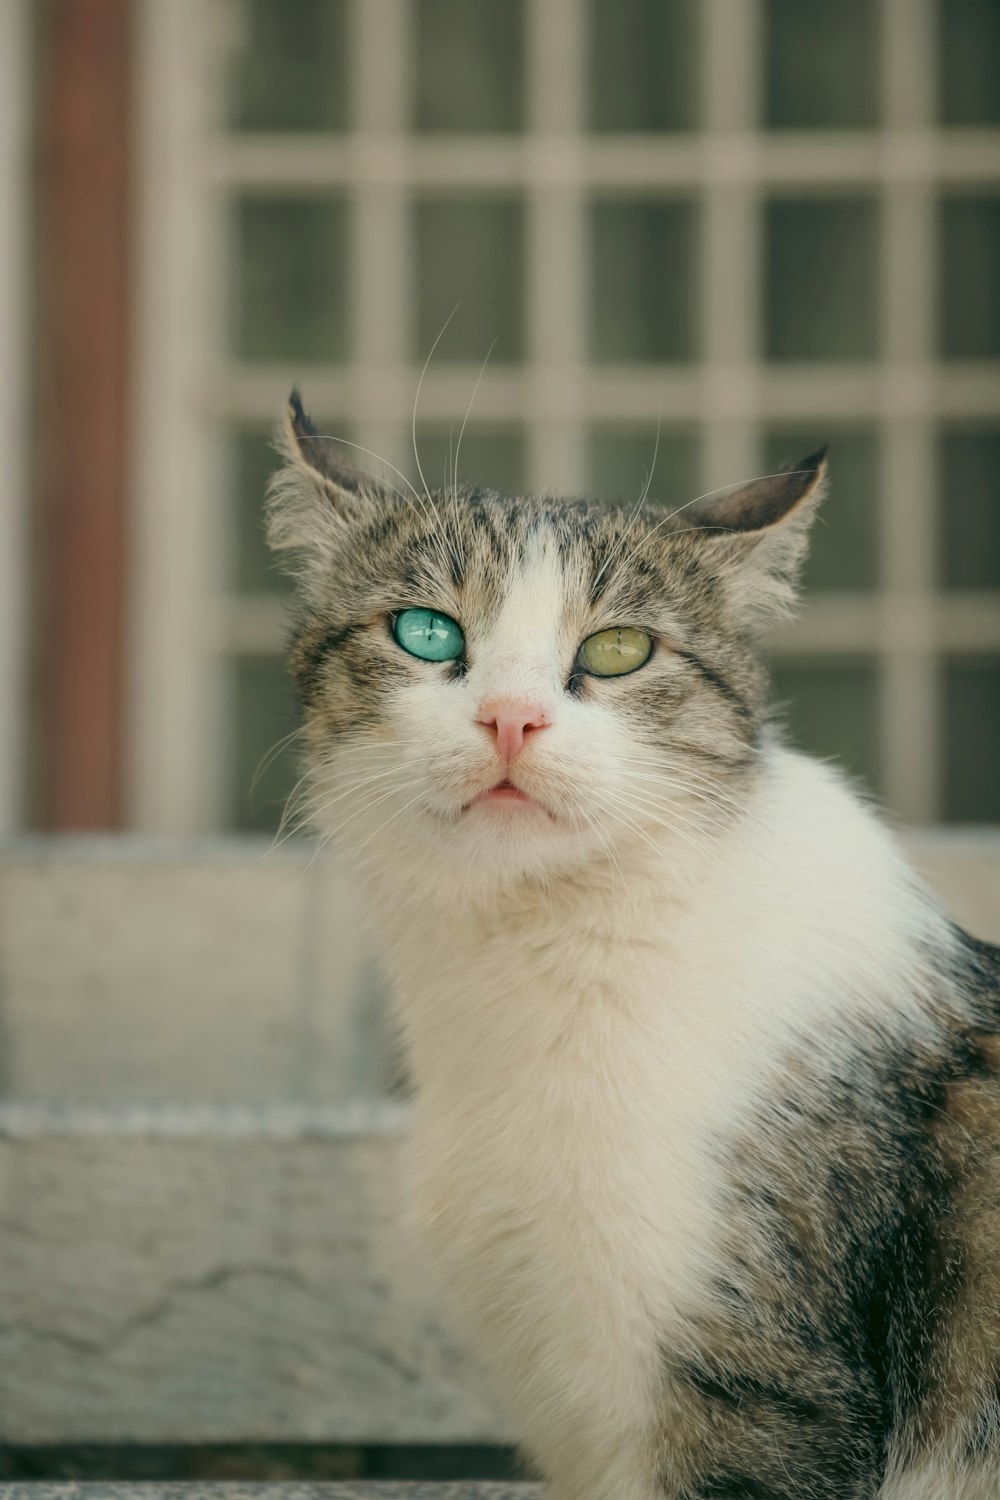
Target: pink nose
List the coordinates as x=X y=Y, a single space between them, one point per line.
x=510 y=720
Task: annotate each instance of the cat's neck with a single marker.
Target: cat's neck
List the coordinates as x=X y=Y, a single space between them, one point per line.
x=801 y=913
x=611 y=894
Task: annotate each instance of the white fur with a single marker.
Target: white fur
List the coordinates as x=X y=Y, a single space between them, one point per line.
x=944 y=1477
x=584 y=1038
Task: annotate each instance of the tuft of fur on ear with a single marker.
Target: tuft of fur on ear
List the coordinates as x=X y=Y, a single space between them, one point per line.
x=759 y=533
x=312 y=497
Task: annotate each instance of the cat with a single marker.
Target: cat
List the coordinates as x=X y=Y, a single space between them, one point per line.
x=706 y=1127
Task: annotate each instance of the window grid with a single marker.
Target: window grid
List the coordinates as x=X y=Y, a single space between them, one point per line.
x=730 y=167
x=908 y=699
x=557 y=294
x=175 y=687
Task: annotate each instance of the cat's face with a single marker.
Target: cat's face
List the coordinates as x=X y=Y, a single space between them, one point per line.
x=518 y=685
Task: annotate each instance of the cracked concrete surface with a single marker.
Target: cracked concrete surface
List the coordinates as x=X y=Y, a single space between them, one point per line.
x=211 y=1290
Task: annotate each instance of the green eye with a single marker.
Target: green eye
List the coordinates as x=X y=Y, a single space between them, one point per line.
x=612 y=653
x=430 y=636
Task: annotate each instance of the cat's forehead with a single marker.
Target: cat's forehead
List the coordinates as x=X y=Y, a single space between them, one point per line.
x=489 y=546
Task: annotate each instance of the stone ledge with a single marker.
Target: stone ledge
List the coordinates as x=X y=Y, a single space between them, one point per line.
x=203 y=1289
x=138 y=974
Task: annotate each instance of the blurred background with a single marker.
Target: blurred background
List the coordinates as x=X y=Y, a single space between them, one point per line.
x=757 y=223
x=696 y=238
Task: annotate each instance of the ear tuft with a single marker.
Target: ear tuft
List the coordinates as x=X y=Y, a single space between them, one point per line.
x=318 y=454
x=302 y=423
x=312 y=497
x=759 y=534
x=763 y=503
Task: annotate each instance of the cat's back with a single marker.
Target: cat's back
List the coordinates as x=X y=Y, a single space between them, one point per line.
x=961 y=1415
x=949 y=1449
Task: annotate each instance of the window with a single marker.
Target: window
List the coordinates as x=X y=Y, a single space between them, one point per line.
x=754 y=226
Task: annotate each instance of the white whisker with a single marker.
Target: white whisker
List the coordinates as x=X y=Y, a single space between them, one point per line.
x=443 y=536
x=630 y=523
x=468 y=413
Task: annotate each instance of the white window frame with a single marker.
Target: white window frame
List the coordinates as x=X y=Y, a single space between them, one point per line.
x=185 y=626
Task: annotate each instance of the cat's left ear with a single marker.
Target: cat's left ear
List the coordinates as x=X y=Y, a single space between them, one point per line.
x=316 y=493
x=758 y=535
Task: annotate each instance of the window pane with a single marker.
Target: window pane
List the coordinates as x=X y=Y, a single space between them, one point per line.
x=620 y=458
x=264 y=711
x=643 y=290
x=250 y=462
x=968 y=49
x=969 y=510
x=970 y=286
x=972 y=734
x=822 y=61
x=289 y=273
x=470 y=253
x=288 y=66
x=469 y=65
x=830 y=708
x=489 y=456
x=843 y=552
x=821 y=268
x=643 y=64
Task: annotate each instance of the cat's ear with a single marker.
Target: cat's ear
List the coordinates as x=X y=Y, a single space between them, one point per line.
x=758 y=533
x=316 y=492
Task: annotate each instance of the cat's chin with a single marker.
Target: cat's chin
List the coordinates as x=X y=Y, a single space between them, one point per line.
x=502 y=836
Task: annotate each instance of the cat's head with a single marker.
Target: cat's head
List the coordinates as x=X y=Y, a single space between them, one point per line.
x=512 y=685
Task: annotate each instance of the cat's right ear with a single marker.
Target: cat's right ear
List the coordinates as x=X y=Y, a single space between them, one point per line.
x=316 y=493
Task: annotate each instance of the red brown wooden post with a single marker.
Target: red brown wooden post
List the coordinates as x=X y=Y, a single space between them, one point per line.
x=83 y=401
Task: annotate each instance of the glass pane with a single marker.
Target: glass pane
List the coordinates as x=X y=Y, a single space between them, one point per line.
x=969 y=510
x=968 y=49
x=619 y=460
x=289 y=296
x=284 y=73
x=263 y=771
x=643 y=64
x=822 y=61
x=830 y=707
x=972 y=733
x=469 y=65
x=822 y=279
x=843 y=552
x=970 y=286
x=489 y=456
x=250 y=462
x=470 y=252
x=643 y=289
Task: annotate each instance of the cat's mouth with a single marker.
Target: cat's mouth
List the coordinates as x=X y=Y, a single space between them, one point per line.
x=505 y=794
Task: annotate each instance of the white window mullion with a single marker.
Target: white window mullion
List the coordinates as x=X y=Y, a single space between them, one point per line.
x=730 y=269
x=556 y=290
x=174 y=686
x=380 y=279
x=909 y=697
x=15 y=114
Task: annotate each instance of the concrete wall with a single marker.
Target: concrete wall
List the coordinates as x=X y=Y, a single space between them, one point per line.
x=199 y=1238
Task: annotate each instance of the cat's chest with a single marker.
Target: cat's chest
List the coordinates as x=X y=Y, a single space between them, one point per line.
x=579 y=1166
x=567 y=1191
x=564 y=1150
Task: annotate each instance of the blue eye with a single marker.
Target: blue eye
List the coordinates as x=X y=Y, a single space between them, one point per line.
x=430 y=636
